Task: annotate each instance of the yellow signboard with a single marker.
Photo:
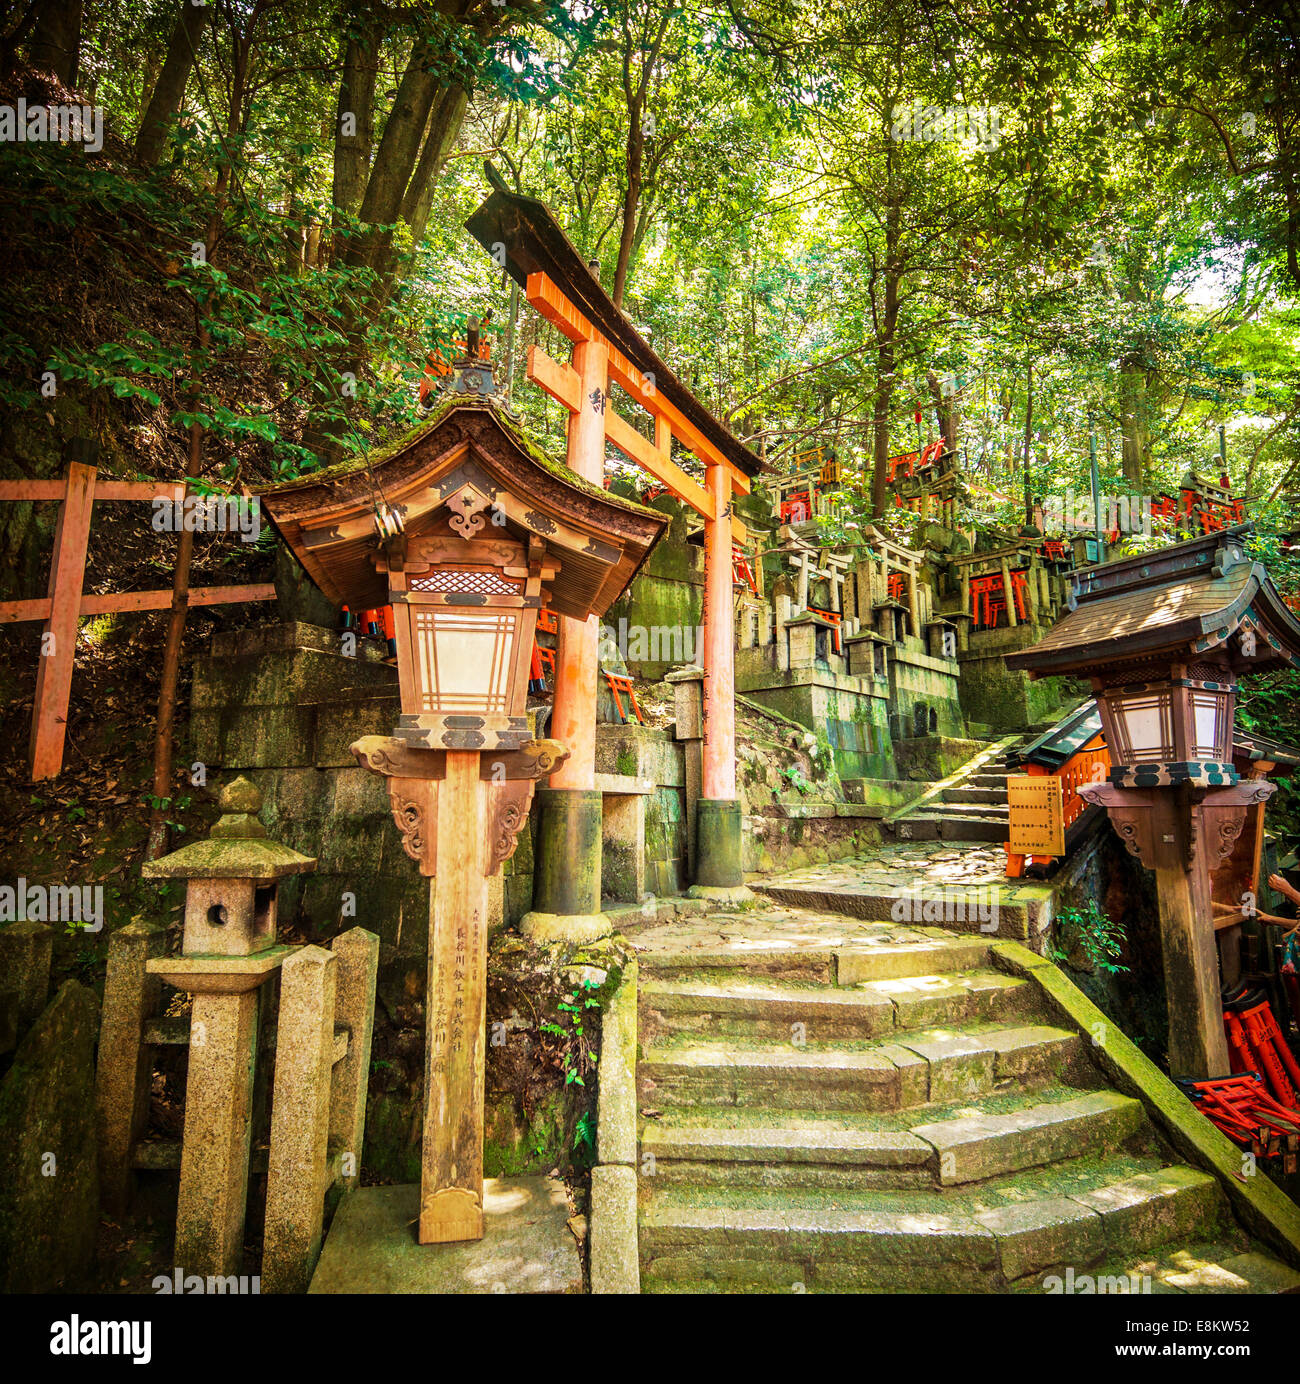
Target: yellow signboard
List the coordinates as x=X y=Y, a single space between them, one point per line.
x=1037 y=815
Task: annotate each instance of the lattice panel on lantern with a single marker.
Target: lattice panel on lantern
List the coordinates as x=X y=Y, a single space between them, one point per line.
x=478 y=581
x=463 y=661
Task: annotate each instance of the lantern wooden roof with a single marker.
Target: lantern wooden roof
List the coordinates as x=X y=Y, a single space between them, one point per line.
x=1183 y=602
x=328 y=518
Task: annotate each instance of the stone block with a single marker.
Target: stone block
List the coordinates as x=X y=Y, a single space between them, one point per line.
x=338 y=724
x=49 y=1175
x=25 y=952
x=527 y=1245
x=616 y=1104
x=1041 y=1234
x=131 y=997
x=615 y=1262
x=297 y=1167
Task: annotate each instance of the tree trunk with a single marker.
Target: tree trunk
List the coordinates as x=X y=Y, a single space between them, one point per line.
x=946 y=413
x=395 y=159
x=444 y=129
x=169 y=92
x=56 y=41
x=1029 y=434
x=885 y=327
x=354 y=128
x=631 y=197
x=1133 y=421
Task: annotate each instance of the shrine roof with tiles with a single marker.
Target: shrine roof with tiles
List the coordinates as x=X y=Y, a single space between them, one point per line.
x=1183 y=600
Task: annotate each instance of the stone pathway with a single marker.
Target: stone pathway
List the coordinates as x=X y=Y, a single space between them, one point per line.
x=835 y=1103
x=938 y=880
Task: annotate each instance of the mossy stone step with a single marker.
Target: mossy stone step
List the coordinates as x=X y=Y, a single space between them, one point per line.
x=767 y=1010
x=915 y=1069
x=962 y=825
x=1093 y=1210
x=781 y=962
x=904 y=961
x=974 y=1147
x=987 y=796
x=948 y=999
x=756 y=1007
x=1233 y=1264
x=787 y=1150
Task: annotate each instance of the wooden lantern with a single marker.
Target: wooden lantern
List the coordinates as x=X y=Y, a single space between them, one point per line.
x=474 y=533
x=1163 y=637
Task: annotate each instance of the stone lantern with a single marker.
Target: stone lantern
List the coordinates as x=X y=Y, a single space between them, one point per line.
x=474 y=533
x=228 y=952
x=1164 y=637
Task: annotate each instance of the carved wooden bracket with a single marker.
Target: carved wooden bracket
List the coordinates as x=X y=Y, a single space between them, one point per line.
x=509 y=804
x=383 y=754
x=506 y=783
x=1164 y=829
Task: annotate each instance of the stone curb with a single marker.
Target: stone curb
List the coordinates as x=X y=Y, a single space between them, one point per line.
x=1261 y=1206
x=615 y=1265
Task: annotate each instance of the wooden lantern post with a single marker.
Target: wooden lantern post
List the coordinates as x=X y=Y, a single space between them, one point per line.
x=1163 y=637
x=475 y=534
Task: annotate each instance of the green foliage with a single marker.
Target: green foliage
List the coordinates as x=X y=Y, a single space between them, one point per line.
x=571 y=1047
x=1091 y=934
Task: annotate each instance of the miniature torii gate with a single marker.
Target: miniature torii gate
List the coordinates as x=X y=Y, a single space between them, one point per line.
x=520 y=233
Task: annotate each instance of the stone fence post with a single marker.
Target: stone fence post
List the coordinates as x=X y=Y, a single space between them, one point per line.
x=25 y=952
x=131 y=998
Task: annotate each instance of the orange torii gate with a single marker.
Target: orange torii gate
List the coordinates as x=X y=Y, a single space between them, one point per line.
x=523 y=237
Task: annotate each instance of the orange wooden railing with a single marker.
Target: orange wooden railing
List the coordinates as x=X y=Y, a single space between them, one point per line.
x=1089 y=764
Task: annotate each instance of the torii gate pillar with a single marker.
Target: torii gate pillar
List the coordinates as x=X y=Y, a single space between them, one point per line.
x=718 y=863
x=566 y=878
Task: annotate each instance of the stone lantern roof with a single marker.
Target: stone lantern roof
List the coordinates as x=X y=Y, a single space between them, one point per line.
x=237 y=847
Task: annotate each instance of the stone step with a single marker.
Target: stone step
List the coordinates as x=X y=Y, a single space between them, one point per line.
x=933 y=825
x=1014 y=1231
x=935 y=956
x=786 y=963
x=951 y=999
x=915 y=1069
x=962 y=910
x=932 y=953
x=995 y=779
x=1233 y=1264
x=752 y=1007
x=974 y=1147
x=983 y=797
x=990 y=811
x=726 y=1146
x=763 y=1010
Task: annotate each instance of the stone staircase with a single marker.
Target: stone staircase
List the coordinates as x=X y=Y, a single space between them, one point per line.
x=898 y=1115
x=971 y=805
